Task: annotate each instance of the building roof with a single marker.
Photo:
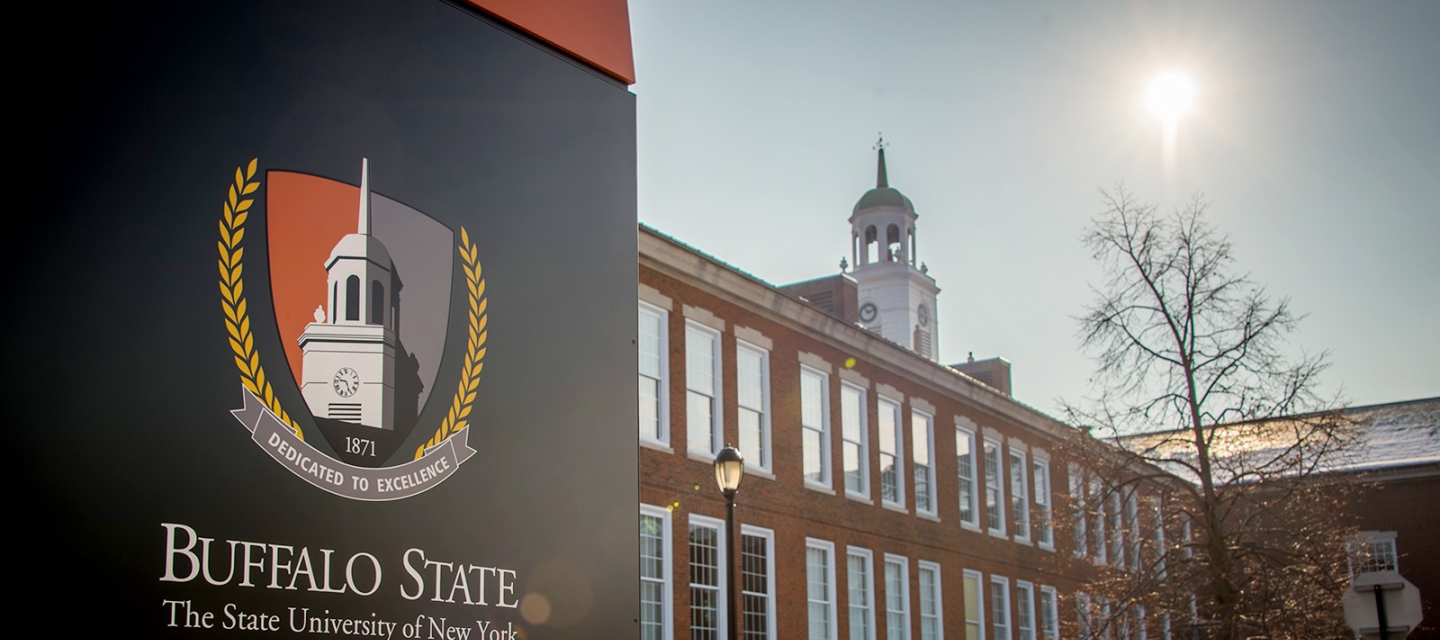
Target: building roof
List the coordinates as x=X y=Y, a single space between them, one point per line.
x=1397 y=437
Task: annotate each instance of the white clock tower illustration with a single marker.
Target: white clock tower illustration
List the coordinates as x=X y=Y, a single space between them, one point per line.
x=348 y=371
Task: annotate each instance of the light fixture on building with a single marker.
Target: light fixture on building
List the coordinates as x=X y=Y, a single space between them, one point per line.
x=729 y=472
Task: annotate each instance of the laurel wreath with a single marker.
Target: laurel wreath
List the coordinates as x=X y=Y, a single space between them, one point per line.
x=232 y=292
x=456 y=417
x=242 y=342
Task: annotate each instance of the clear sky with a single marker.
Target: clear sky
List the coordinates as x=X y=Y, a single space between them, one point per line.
x=1315 y=135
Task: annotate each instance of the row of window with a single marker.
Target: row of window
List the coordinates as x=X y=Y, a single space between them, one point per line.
x=1097 y=618
x=1029 y=612
x=1107 y=523
x=1026 y=481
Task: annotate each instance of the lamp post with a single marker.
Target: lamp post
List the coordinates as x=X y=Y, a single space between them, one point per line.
x=729 y=471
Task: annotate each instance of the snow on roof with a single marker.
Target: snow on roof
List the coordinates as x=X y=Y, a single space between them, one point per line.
x=1395 y=435
x=1383 y=436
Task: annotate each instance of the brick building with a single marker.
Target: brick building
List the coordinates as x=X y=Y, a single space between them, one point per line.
x=1398 y=464
x=886 y=495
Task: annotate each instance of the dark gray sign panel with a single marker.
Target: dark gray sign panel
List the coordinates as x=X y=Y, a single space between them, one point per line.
x=319 y=323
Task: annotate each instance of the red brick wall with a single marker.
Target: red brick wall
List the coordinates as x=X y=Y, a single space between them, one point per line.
x=1408 y=507
x=794 y=512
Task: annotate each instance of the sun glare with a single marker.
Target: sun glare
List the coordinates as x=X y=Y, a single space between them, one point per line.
x=1171 y=96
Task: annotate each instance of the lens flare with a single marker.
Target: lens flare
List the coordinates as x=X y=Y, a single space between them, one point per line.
x=1171 y=96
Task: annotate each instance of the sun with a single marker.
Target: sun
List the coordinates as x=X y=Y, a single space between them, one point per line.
x=1171 y=95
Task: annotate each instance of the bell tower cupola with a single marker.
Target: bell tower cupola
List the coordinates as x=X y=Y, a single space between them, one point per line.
x=895 y=293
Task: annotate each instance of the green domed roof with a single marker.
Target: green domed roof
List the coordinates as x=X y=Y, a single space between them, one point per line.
x=882 y=195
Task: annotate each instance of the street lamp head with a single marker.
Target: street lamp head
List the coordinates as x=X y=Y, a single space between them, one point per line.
x=729 y=470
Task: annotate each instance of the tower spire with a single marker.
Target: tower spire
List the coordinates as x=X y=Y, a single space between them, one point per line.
x=881 y=179
x=364 y=197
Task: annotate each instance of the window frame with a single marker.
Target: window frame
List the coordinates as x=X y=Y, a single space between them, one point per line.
x=827 y=471
x=1115 y=509
x=1049 y=608
x=662 y=412
x=717 y=410
x=904 y=599
x=897 y=412
x=1084 y=616
x=1025 y=610
x=921 y=567
x=965 y=434
x=863 y=444
x=766 y=439
x=1099 y=538
x=932 y=506
x=1131 y=505
x=1079 y=519
x=1357 y=545
x=1157 y=506
x=769 y=536
x=1044 y=498
x=722 y=603
x=1019 y=477
x=667 y=580
x=994 y=470
x=868 y=557
x=967 y=576
x=1005 y=613
x=829 y=549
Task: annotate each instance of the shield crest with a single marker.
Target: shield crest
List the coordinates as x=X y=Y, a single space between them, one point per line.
x=361 y=286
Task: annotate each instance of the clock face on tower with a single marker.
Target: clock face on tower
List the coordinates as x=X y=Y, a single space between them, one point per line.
x=868 y=311
x=924 y=313
x=346 y=382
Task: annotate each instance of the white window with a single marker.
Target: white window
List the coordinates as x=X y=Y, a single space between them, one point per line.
x=1097 y=498
x=1104 y=621
x=999 y=608
x=1024 y=610
x=892 y=465
x=815 y=425
x=1044 y=510
x=1117 y=529
x=1050 y=613
x=1157 y=510
x=654 y=375
x=1077 y=511
x=994 y=489
x=861 y=582
x=965 y=461
x=897 y=597
x=1019 y=494
x=707 y=578
x=922 y=443
x=1084 y=617
x=1189 y=536
x=932 y=623
x=1132 y=525
x=974 y=606
x=702 y=388
x=1372 y=551
x=853 y=432
x=757 y=583
x=752 y=386
x=654 y=573
x=820 y=588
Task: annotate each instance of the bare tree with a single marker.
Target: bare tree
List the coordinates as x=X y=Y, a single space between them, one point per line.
x=1221 y=436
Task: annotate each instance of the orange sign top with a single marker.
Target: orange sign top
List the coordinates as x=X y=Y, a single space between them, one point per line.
x=595 y=31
